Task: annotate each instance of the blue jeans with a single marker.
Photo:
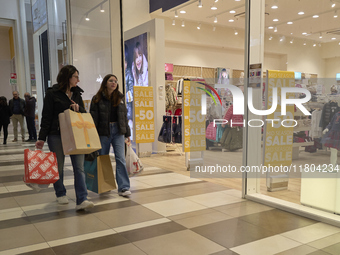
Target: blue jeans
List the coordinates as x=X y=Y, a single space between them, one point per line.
x=55 y=145
x=118 y=143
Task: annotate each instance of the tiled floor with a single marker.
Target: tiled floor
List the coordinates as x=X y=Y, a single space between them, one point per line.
x=167 y=213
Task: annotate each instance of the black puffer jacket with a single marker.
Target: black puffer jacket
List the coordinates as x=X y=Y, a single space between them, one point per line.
x=328 y=111
x=56 y=102
x=101 y=116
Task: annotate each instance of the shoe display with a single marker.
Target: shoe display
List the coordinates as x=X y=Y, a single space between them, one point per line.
x=124 y=193
x=84 y=205
x=14 y=140
x=62 y=200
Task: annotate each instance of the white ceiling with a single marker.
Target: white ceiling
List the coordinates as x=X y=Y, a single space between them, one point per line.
x=287 y=11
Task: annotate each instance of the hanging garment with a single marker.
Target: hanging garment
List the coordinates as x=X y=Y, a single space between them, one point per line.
x=165 y=132
x=332 y=138
x=328 y=111
x=316 y=130
x=234 y=140
x=170 y=99
x=236 y=120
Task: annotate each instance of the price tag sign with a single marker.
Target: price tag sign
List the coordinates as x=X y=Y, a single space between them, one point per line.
x=144 y=114
x=194 y=121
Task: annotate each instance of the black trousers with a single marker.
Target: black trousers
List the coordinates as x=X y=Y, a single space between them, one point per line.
x=5 y=126
x=32 y=132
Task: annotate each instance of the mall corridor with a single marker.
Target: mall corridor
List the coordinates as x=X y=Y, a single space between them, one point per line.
x=167 y=213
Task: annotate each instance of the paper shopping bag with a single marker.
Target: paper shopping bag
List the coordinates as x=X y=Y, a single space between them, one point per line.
x=133 y=164
x=78 y=133
x=40 y=167
x=99 y=174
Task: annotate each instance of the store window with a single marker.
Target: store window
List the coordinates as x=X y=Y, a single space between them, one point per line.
x=91 y=45
x=301 y=43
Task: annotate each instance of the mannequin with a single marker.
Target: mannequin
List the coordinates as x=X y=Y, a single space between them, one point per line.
x=332 y=139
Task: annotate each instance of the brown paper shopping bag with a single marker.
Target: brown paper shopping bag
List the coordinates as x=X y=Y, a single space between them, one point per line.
x=99 y=174
x=78 y=133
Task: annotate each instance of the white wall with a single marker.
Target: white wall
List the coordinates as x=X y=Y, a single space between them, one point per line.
x=135 y=13
x=5 y=64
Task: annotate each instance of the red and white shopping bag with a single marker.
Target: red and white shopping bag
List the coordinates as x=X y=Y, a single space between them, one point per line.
x=40 y=167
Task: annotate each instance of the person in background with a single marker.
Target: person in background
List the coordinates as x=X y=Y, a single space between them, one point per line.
x=17 y=106
x=60 y=97
x=29 y=113
x=109 y=114
x=140 y=67
x=5 y=114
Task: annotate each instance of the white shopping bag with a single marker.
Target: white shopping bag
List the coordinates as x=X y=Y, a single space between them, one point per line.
x=133 y=163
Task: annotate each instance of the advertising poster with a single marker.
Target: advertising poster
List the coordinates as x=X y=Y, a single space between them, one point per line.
x=194 y=121
x=136 y=70
x=278 y=144
x=144 y=115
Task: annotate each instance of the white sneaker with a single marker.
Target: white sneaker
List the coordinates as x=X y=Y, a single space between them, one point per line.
x=62 y=200
x=84 y=205
x=124 y=193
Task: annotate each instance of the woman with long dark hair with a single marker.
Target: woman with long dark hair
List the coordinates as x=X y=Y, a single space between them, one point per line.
x=60 y=97
x=140 y=67
x=109 y=114
x=5 y=114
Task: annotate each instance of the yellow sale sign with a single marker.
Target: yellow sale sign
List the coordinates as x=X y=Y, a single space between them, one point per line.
x=194 y=121
x=144 y=114
x=278 y=144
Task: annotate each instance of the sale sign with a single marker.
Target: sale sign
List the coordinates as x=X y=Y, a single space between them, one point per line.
x=194 y=121
x=278 y=144
x=144 y=114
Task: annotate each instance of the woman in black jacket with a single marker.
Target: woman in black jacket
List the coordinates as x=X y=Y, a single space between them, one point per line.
x=5 y=113
x=109 y=114
x=62 y=96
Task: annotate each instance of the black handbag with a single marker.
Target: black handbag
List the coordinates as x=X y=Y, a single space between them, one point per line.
x=92 y=156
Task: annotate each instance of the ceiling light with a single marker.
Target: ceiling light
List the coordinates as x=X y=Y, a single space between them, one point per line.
x=214 y=28
x=275 y=20
x=182 y=11
x=333 y=38
x=316 y=16
x=270 y=27
x=333 y=4
x=215 y=20
x=87 y=18
x=199 y=26
x=183 y=24
x=235 y=32
x=301 y=13
x=101 y=8
x=275 y=29
x=231 y=20
x=281 y=39
x=200 y=4
x=314 y=44
x=270 y=38
x=289 y=22
x=176 y=14
x=275 y=7
x=320 y=36
x=304 y=33
x=339 y=43
x=173 y=22
x=216 y=1
x=291 y=41
x=237 y=0
x=335 y=14
x=213 y=7
x=304 y=43
x=232 y=11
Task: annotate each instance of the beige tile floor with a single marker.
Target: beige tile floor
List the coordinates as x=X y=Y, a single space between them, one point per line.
x=167 y=213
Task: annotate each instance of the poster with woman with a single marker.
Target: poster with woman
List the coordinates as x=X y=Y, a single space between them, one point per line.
x=136 y=69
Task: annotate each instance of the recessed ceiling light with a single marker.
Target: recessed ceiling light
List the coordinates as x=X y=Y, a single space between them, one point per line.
x=200 y=4
x=291 y=41
x=333 y=38
x=183 y=24
x=176 y=14
x=305 y=43
x=275 y=20
x=314 y=44
x=213 y=7
x=304 y=33
x=235 y=32
x=281 y=39
x=289 y=22
x=339 y=43
x=275 y=7
x=291 y=33
x=301 y=13
x=173 y=22
x=320 y=36
x=316 y=16
x=232 y=11
x=270 y=27
x=237 y=0
x=182 y=11
x=231 y=20
x=275 y=29
x=87 y=18
x=270 y=38
x=215 y=20
x=101 y=8
x=335 y=14
x=199 y=26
